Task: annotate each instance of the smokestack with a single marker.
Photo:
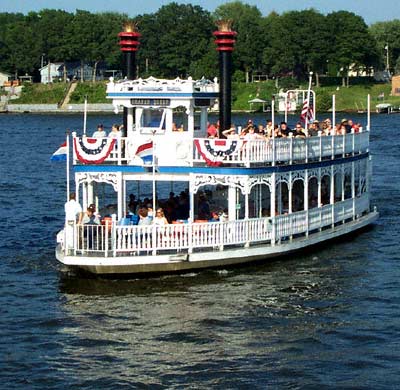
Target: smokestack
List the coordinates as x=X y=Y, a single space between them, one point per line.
x=225 y=39
x=129 y=42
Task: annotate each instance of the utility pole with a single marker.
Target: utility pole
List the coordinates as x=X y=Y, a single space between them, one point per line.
x=387 y=56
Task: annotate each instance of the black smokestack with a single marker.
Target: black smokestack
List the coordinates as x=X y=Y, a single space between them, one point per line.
x=225 y=40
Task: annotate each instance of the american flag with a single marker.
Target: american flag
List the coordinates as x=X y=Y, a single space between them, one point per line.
x=307 y=112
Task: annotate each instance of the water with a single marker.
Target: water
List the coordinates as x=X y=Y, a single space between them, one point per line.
x=328 y=318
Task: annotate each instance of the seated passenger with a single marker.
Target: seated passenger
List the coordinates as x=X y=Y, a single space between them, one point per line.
x=143 y=217
x=89 y=217
x=160 y=219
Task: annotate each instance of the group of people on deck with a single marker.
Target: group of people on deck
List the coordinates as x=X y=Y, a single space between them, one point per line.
x=114 y=133
x=314 y=128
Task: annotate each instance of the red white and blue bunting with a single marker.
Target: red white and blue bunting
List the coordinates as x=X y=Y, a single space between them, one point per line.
x=215 y=151
x=93 y=150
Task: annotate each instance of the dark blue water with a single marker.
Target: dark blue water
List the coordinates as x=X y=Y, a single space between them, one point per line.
x=326 y=319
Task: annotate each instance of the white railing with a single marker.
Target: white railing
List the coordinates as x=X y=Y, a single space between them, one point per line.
x=291 y=149
x=114 y=240
x=271 y=151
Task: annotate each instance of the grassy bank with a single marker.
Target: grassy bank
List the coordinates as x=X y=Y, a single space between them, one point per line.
x=351 y=98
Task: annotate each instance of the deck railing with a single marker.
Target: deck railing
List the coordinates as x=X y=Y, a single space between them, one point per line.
x=114 y=240
x=270 y=151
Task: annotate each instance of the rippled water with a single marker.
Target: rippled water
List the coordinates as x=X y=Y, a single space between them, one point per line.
x=328 y=318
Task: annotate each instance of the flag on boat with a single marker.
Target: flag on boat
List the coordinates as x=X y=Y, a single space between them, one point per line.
x=60 y=154
x=93 y=150
x=145 y=152
x=215 y=151
x=307 y=112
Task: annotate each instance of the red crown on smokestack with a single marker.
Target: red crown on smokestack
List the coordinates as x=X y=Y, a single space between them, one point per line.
x=129 y=38
x=225 y=37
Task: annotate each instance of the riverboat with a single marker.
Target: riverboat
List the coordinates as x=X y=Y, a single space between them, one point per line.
x=270 y=197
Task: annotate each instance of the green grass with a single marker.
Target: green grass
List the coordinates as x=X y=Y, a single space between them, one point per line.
x=42 y=94
x=95 y=92
x=352 y=98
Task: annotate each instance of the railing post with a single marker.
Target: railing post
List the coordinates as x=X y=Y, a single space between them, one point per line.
x=307 y=141
x=320 y=145
x=291 y=148
x=273 y=231
x=105 y=238
x=114 y=234
x=154 y=240
x=273 y=151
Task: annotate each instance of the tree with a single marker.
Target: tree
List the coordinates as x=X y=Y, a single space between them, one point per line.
x=248 y=23
x=298 y=43
x=387 y=34
x=352 y=44
x=174 y=37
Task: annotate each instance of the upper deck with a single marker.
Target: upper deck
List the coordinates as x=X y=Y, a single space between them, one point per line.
x=167 y=127
x=180 y=150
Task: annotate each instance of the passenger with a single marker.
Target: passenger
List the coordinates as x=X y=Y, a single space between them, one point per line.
x=181 y=128
x=312 y=129
x=327 y=127
x=212 y=131
x=204 y=208
x=174 y=127
x=115 y=132
x=284 y=129
x=278 y=133
x=133 y=203
x=268 y=130
x=299 y=131
x=252 y=135
x=224 y=216
x=265 y=212
x=214 y=217
x=90 y=217
x=150 y=211
x=143 y=217
x=73 y=209
x=357 y=127
x=100 y=133
x=347 y=125
x=160 y=219
x=261 y=129
x=231 y=133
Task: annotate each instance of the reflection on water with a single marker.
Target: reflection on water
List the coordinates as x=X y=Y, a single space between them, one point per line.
x=171 y=326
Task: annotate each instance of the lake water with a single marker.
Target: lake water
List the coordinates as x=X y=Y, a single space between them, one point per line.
x=326 y=319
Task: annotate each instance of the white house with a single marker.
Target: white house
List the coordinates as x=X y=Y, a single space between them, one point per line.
x=4 y=77
x=51 y=72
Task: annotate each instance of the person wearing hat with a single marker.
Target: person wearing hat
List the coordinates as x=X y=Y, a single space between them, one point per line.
x=99 y=133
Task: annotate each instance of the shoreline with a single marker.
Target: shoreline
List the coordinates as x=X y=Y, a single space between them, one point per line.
x=104 y=108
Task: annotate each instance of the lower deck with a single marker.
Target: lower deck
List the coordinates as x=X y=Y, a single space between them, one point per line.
x=178 y=247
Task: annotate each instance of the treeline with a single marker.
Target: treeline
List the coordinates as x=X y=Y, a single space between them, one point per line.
x=177 y=41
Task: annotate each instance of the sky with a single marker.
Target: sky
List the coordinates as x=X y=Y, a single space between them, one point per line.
x=371 y=10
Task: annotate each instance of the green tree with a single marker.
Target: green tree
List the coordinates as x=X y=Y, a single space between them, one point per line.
x=299 y=43
x=387 y=34
x=352 y=46
x=248 y=23
x=174 y=37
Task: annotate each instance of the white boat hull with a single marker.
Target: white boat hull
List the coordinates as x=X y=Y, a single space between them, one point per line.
x=183 y=262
